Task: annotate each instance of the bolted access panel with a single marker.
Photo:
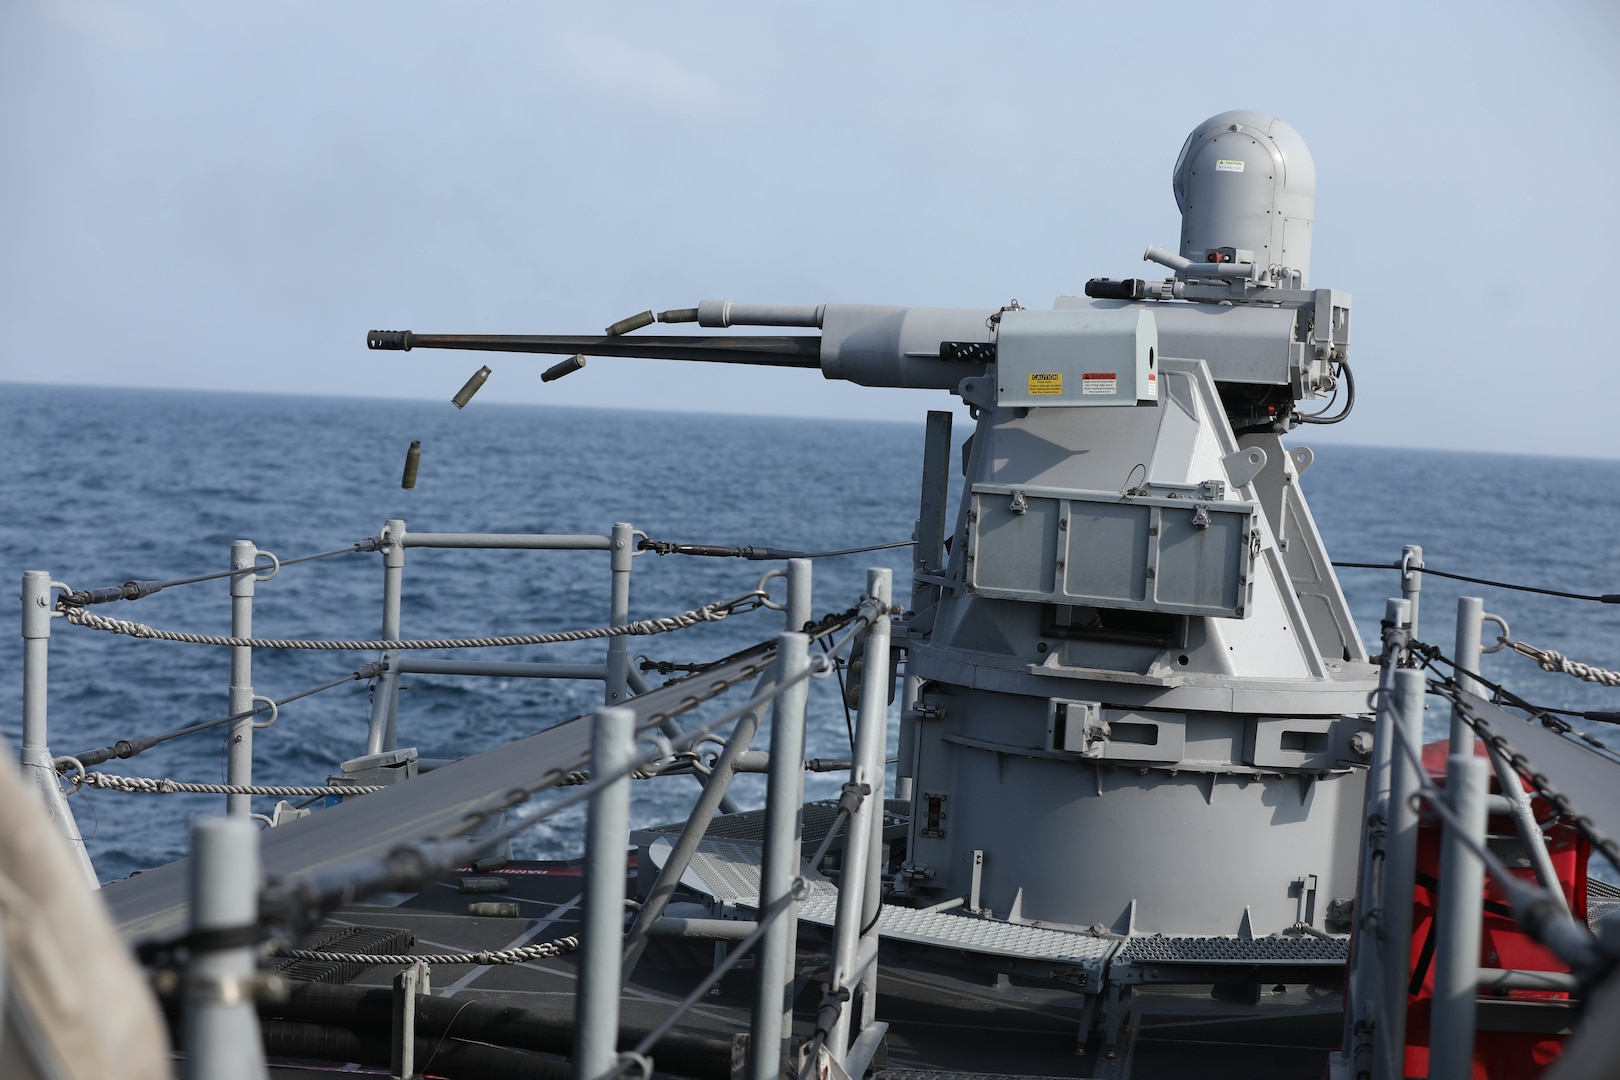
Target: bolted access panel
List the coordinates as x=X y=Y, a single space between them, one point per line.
x=1102 y=549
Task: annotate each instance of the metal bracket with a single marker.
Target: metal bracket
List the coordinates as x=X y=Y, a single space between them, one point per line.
x=1244 y=465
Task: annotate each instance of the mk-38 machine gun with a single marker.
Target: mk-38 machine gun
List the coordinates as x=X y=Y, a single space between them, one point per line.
x=1135 y=701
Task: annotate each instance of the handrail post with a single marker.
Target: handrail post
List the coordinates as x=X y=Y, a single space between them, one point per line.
x=239 y=755
x=221 y=1024
x=1466 y=657
x=1364 y=983
x=622 y=551
x=38 y=765
x=799 y=608
x=1457 y=922
x=383 y=734
x=779 y=866
x=860 y=888
x=1412 y=580
x=1400 y=855
x=607 y=831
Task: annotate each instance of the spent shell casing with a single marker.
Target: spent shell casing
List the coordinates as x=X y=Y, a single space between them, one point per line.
x=634 y=322
x=484 y=885
x=466 y=393
x=413 y=459
x=566 y=367
x=494 y=909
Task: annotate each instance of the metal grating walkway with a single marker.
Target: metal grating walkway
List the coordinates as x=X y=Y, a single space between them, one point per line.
x=1292 y=949
x=728 y=872
x=969 y=933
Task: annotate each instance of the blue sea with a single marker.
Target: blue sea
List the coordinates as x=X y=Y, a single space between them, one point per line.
x=100 y=486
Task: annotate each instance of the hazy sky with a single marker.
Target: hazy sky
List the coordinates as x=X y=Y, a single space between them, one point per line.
x=229 y=195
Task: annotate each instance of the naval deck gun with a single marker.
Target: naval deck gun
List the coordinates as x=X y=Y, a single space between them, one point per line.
x=1132 y=643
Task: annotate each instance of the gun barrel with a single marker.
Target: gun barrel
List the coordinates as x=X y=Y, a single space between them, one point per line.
x=769 y=350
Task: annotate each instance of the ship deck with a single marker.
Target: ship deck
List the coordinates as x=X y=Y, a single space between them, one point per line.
x=946 y=1017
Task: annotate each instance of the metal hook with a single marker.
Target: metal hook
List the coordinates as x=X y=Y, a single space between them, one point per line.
x=275 y=565
x=765 y=597
x=1502 y=640
x=78 y=768
x=275 y=713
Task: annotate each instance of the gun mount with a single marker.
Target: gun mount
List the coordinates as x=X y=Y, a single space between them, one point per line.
x=1134 y=606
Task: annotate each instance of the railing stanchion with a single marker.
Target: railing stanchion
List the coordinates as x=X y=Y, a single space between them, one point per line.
x=239 y=742
x=784 y=804
x=1365 y=979
x=383 y=734
x=1400 y=853
x=622 y=553
x=1412 y=580
x=1457 y=923
x=1470 y=618
x=800 y=607
x=221 y=1024
x=37 y=763
x=607 y=832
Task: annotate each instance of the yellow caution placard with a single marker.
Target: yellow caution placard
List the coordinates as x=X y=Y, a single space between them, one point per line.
x=1046 y=383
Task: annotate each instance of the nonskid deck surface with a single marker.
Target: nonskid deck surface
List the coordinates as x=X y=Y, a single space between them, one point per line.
x=946 y=1019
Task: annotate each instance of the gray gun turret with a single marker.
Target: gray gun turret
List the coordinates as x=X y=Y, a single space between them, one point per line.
x=1134 y=605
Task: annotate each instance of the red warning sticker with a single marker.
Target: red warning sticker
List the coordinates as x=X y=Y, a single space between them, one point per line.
x=1099 y=382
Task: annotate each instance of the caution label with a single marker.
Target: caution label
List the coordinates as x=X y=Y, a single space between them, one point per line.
x=1046 y=383
x=1153 y=384
x=1099 y=382
x=1224 y=165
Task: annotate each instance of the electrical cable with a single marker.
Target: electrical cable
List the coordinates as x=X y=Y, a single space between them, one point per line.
x=1349 y=400
x=1601 y=598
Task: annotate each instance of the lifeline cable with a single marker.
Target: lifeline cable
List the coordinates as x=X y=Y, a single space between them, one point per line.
x=757 y=554
x=545 y=949
x=137 y=590
x=148 y=785
x=78 y=616
x=1559 y=664
x=128 y=748
x=1601 y=598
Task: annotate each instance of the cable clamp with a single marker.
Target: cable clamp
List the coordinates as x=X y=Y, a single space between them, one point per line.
x=854 y=795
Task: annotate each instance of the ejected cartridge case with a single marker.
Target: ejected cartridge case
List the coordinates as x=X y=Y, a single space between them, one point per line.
x=634 y=322
x=494 y=909
x=465 y=394
x=413 y=459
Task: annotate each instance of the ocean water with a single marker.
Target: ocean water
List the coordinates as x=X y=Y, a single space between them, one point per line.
x=100 y=486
